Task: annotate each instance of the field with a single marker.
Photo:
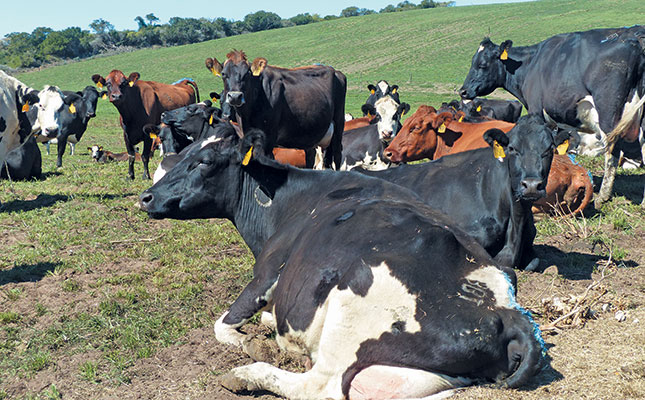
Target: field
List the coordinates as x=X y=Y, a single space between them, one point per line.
x=98 y=302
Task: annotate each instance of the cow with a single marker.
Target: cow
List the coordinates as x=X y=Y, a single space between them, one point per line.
x=23 y=162
x=63 y=116
x=573 y=80
x=502 y=110
x=15 y=98
x=380 y=90
x=428 y=134
x=568 y=190
x=385 y=295
x=489 y=192
x=298 y=108
x=142 y=102
x=100 y=155
x=362 y=147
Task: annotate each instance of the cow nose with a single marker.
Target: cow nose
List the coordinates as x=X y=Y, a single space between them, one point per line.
x=90 y=115
x=115 y=96
x=51 y=132
x=462 y=92
x=532 y=185
x=386 y=135
x=145 y=200
x=235 y=99
x=391 y=155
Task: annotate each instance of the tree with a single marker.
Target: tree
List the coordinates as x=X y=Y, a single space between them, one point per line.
x=101 y=26
x=389 y=8
x=262 y=20
x=302 y=19
x=152 y=19
x=142 y=24
x=349 y=12
x=427 y=4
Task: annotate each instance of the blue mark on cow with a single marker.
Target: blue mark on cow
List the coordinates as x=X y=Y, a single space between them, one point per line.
x=184 y=79
x=345 y=216
x=514 y=304
x=572 y=157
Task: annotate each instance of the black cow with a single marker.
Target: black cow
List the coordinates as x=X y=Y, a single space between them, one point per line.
x=503 y=110
x=573 y=79
x=488 y=197
x=386 y=297
x=24 y=162
x=382 y=89
x=299 y=108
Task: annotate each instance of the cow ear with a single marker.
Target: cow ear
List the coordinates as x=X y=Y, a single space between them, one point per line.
x=504 y=48
x=371 y=88
x=214 y=66
x=252 y=145
x=441 y=122
x=561 y=140
x=394 y=89
x=403 y=109
x=101 y=148
x=368 y=110
x=498 y=140
x=98 y=80
x=258 y=66
x=133 y=78
x=214 y=96
x=460 y=116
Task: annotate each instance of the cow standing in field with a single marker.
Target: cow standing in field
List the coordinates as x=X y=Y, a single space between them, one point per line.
x=15 y=98
x=593 y=81
x=381 y=315
x=299 y=108
x=140 y=103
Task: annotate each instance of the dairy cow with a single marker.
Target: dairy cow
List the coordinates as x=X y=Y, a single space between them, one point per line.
x=381 y=315
x=15 y=97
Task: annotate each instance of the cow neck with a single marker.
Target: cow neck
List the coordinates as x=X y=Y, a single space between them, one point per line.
x=515 y=68
x=130 y=109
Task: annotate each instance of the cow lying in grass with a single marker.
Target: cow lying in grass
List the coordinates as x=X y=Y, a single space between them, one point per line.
x=386 y=298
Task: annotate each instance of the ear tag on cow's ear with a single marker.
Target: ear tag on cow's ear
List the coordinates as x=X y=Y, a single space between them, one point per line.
x=394 y=90
x=562 y=149
x=131 y=83
x=214 y=99
x=498 y=151
x=479 y=108
x=504 y=55
x=247 y=157
x=153 y=136
x=72 y=109
x=442 y=128
x=372 y=91
x=25 y=107
x=99 y=85
x=210 y=120
x=369 y=115
x=461 y=119
x=215 y=73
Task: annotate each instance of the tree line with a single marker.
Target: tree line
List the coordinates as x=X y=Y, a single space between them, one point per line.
x=45 y=45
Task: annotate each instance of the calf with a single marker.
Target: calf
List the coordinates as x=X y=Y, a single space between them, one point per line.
x=386 y=297
x=568 y=190
x=100 y=155
x=140 y=103
x=490 y=193
x=22 y=163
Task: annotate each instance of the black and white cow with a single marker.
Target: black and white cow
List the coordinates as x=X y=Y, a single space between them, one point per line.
x=14 y=95
x=381 y=315
x=387 y=114
x=362 y=147
x=381 y=90
x=24 y=162
x=489 y=197
x=574 y=80
x=63 y=116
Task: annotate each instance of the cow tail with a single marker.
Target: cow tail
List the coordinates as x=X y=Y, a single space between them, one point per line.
x=588 y=195
x=194 y=85
x=623 y=124
x=526 y=347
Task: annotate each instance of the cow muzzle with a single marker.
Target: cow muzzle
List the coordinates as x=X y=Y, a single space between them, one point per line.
x=465 y=94
x=235 y=99
x=392 y=155
x=51 y=132
x=533 y=189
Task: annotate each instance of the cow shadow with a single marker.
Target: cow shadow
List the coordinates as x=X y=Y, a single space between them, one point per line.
x=572 y=265
x=26 y=272
x=43 y=200
x=628 y=186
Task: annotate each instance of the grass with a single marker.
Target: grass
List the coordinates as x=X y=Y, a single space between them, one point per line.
x=86 y=276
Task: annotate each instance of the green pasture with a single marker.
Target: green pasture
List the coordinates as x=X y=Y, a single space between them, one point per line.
x=106 y=282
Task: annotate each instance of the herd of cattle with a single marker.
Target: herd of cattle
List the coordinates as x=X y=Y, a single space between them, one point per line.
x=395 y=279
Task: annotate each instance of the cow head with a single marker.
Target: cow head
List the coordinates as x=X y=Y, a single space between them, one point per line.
x=387 y=115
x=96 y=152
x=50 y=103
x=237 y=75
x=528 y=151
x=207 y=182
x=90 y=99
x=116 y=84
x=487 y=70
x=380 y=90
x=182 y=126
x=419 y=135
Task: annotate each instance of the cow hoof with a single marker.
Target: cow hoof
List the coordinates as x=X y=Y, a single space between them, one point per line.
x=131 y=177
x=259 y=348
x=533 y=265
x=231 y=382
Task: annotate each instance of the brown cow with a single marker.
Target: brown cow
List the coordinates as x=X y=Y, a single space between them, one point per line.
x=295 y=157
x=140 y=103
x=427 y=134
x=568 y=189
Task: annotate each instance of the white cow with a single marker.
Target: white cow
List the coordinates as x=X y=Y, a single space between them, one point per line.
x=13 y=96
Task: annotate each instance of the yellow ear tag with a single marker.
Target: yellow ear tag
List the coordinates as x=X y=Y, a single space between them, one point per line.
x=214 y=99
x=210 y=120
x=25 y=107
x=442 y=128
x=498 y=151
x=247 y=157
x=479 y=108
x=369 y=115
x=99 y=85
x=504 y=55
x=372 y=91
x=461 y=118
x=131 y=83
x=257 y=72
x=153 y=136
x=394 y=91
x=562 y=149
x=214 y=71
x=72 y=109
x=104 y=96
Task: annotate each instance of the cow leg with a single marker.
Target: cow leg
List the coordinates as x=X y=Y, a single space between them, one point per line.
x=310 y=158
x=47 y=147
x=145 y=157
x=72 y=147
x=611 y=164
x=62 y=145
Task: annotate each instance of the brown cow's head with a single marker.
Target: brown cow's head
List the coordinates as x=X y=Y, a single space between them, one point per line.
x=115 y=83
x=237 y=75
x=417 y=138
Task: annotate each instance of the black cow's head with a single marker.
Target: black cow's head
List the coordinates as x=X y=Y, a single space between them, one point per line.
x=90 y=99
x=207 y=182
x=237 y=75
x=116 y=84
x=487 y=71
x=528 y=151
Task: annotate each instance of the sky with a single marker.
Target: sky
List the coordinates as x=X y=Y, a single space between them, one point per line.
x=25 y=15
